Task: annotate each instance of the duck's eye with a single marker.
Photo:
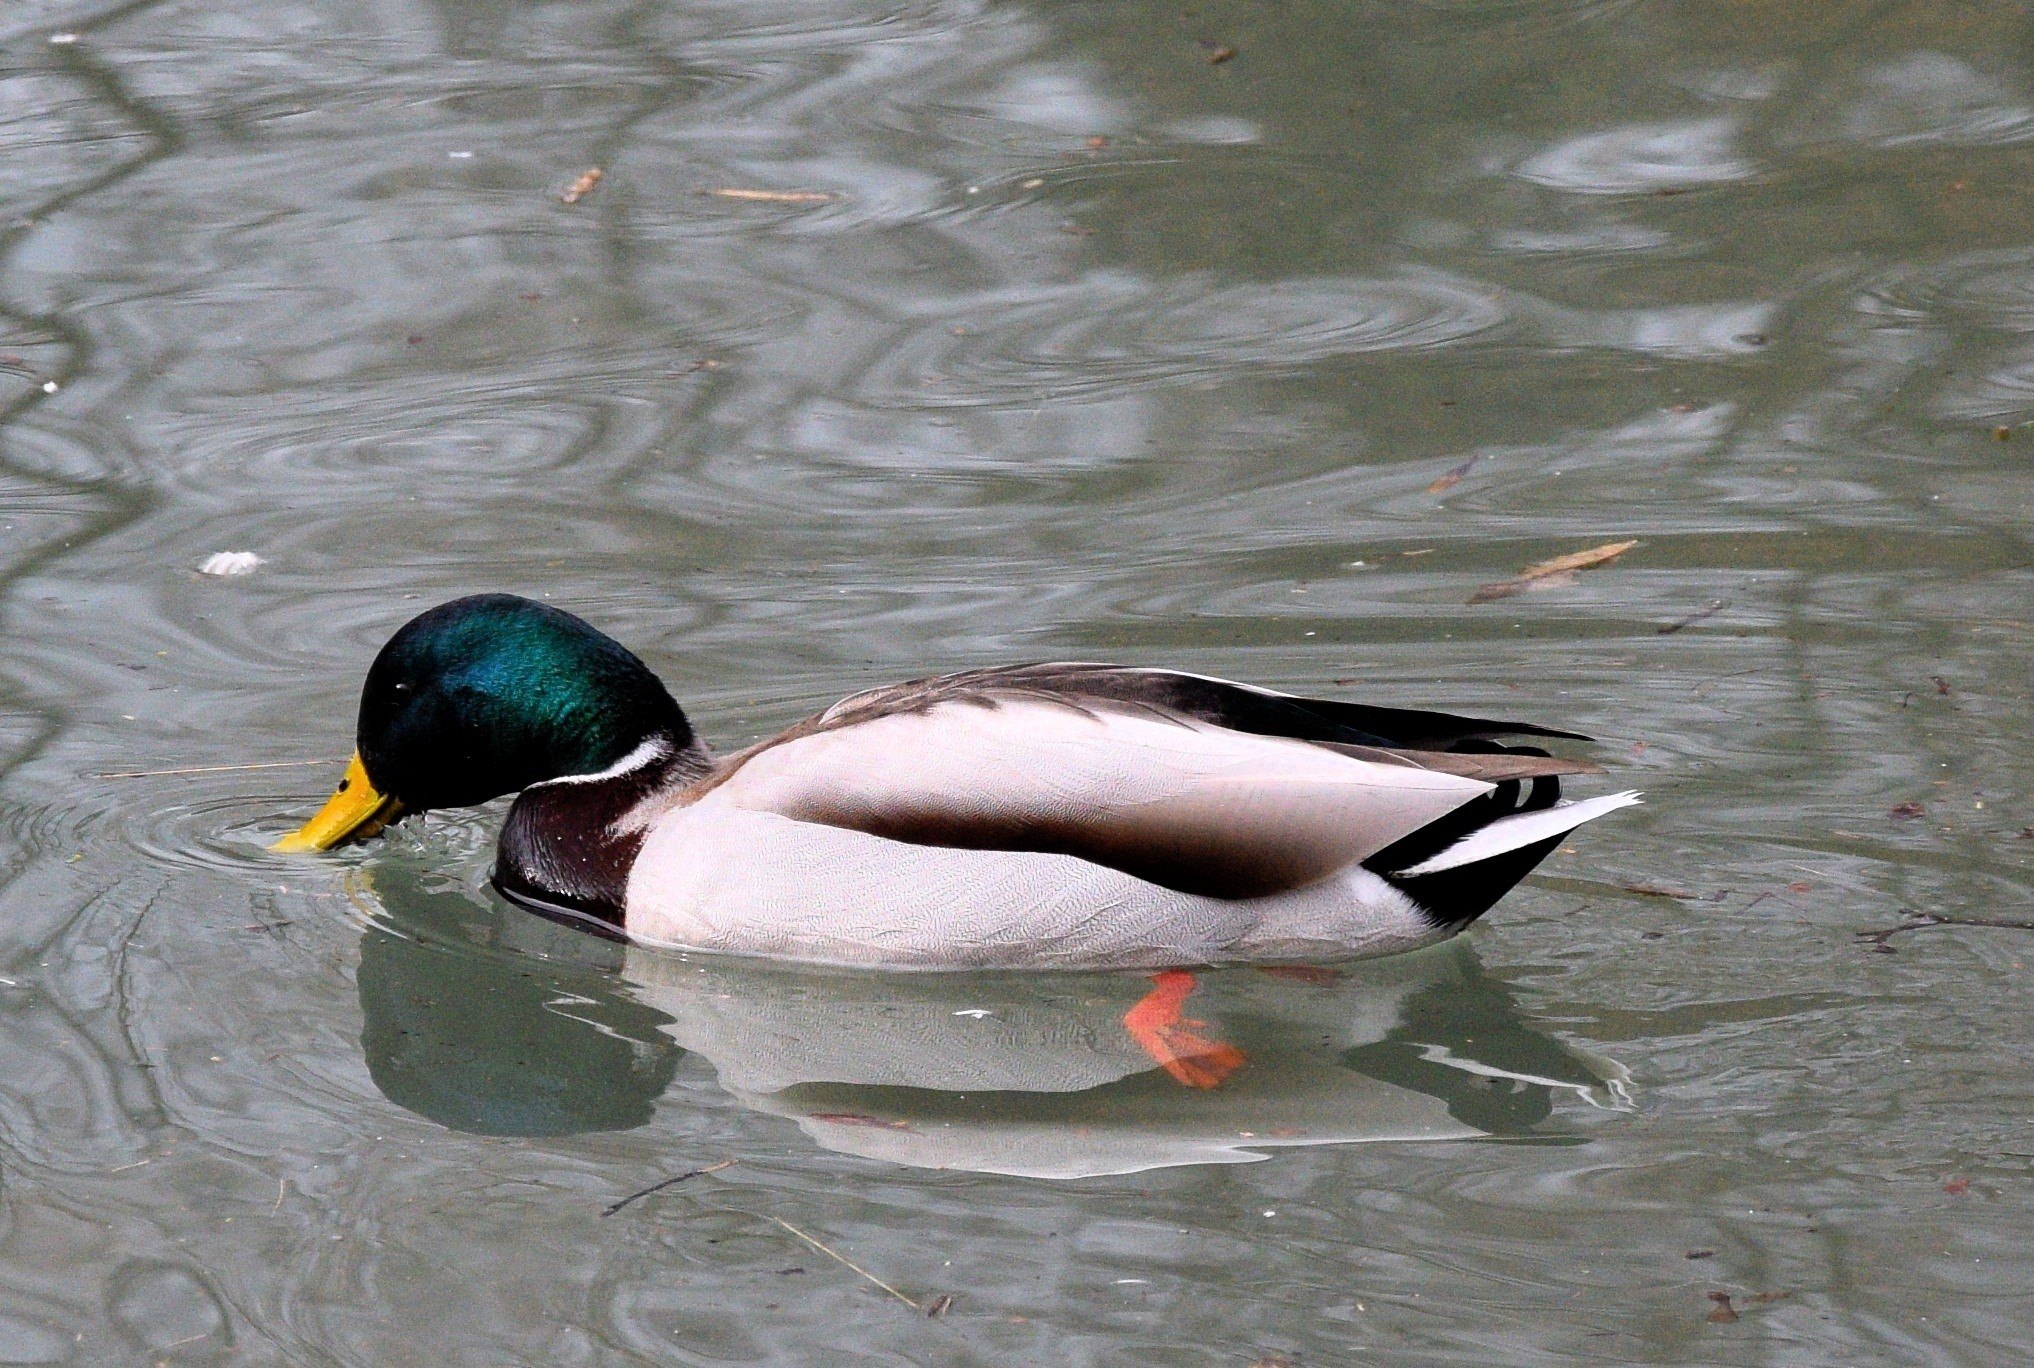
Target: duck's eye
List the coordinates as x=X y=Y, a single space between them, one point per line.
x=344 y=784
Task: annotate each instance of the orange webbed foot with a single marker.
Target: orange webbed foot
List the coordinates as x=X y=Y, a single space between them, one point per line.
x=1156 y=1025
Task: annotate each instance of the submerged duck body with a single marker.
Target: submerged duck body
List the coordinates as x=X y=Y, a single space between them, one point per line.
x=1059 y=815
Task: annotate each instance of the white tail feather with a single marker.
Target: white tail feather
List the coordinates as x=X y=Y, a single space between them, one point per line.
x=1509 y=833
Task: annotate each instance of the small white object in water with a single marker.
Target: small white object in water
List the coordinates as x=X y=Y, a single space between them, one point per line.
x=63 y=39
x=230 y=563
x=976 y=1012
x=50 y=387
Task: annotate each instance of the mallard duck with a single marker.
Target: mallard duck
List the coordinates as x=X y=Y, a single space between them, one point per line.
x=1058 y=815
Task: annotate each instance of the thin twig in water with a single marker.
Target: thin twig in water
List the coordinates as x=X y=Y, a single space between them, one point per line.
x=211 y=769
x=1921 y=921
x=668 y=1182
x=849 y=1262
x=281 y=1186
x=1709 y=609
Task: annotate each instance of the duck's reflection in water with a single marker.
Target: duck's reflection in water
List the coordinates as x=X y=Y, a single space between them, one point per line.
x=487 y=1020
x=490 y=1021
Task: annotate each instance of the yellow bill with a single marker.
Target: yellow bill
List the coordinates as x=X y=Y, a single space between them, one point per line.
x=354 y=811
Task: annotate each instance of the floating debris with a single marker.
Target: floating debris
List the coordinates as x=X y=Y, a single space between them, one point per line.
x=1906 y=812
x=774 y=196
x=212 y=769
x=1452 y=478
x=1656 y=891
x=668 y=1182
x=842 y=1258
x=1707 y=610
x=230 y=563
x=583 y=187
x=1876 y=941
x=1551 y=573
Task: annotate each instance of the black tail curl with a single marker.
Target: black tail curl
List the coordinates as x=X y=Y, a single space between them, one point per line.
x=1453 y=898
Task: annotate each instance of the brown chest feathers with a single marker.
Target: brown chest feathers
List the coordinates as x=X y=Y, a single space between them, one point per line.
x=567 y=846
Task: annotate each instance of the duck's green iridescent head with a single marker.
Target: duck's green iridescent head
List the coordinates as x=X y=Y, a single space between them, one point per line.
x=484 y=696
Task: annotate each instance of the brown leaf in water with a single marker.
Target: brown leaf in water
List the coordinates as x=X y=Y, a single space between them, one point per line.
x=1538 y=574
x=1941 y=685
x=1800 y=886
x=1723 y=1313
x=1221 y=55
x=1578 y=560
x=1700 y=1254
x=1655 y=891
x=1957 y=1187
x=1906 y=812
x=1452 y=478
x=582 y=187
x=773 y=196
x=939 y=1306
x=1539 y=584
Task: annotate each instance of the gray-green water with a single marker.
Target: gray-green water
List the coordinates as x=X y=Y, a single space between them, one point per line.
x=1099 y=348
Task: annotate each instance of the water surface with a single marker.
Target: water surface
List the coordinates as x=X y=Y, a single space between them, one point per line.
x=1076 y=342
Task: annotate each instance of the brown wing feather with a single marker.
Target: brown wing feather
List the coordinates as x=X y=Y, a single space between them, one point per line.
x=1492 y=767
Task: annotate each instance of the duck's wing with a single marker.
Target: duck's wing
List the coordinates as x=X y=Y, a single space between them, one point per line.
x=1140 y=771
x=1217 y=702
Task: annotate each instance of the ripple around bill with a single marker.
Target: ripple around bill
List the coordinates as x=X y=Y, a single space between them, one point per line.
x=201 y=827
